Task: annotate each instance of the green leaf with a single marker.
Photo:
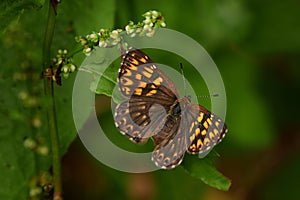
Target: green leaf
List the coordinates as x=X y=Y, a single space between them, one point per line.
x=107 y=84
x=204 y=170
x=108 y=87
x=21 y=107
x=16 y=162
x=22 y=93
x=11 y=10
x=104 y=64
x=80 y=17
x=87 y=16
x=107 y=72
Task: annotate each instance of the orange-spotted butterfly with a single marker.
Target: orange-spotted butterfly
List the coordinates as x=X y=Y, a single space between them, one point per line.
x=153 y=108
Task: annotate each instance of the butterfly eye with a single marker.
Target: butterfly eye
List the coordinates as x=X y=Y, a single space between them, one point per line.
x=177 y=109
x=189 y=98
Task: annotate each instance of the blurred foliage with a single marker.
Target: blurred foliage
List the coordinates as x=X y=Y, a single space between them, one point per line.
x=256 y=46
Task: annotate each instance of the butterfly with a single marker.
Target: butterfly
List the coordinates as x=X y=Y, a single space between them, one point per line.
x=153 y=108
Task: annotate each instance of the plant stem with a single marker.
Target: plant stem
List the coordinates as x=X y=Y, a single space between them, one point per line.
x=77 y=50
x=51 y=113
x=89 y=70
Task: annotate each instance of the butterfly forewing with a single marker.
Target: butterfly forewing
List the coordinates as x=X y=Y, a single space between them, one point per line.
x=149 y=93
x=138 y=72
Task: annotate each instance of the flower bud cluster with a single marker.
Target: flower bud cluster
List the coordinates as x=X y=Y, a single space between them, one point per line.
x=147 y=27
x=65 y=64
x=106 y=38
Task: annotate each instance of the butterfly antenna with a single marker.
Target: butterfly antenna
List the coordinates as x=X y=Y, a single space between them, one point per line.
x=208 y=96
x=183 y=78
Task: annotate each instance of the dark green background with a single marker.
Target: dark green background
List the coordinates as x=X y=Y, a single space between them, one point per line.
x=256 y=46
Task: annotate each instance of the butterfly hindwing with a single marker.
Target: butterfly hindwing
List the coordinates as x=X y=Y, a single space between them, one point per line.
x=205 y=129
x=137 y=124
x=196 y=131
x=171 y=144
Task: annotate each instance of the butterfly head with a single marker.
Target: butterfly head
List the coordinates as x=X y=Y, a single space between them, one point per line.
x=189 y=98
x=180 y=105
x=185 y=100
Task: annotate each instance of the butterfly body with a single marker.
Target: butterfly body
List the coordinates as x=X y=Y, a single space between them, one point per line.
x=153 y=108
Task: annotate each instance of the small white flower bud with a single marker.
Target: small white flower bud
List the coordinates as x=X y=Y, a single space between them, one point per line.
x=133 y=35
x=129 y=29
x=147 y=20
x=147 y=13
x=83 y=41
x=114 y=34
x=59 y=61
x=87 y=51
x=146 y=27
x=138 y=30
x=150 y=33
x=34 y=192
x=102 y=43
x=36 y=122
x=42 y=150
x=65 y=69
x=72 y=68
x=154 y=14
x=93 y=35
x=29 y=143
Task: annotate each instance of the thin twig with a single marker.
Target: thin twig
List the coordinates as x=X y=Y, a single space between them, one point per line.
x=51 y=113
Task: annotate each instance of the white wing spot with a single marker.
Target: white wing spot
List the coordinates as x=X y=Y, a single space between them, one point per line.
x=173 y=166
x=116 y=124
x=123 y=133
